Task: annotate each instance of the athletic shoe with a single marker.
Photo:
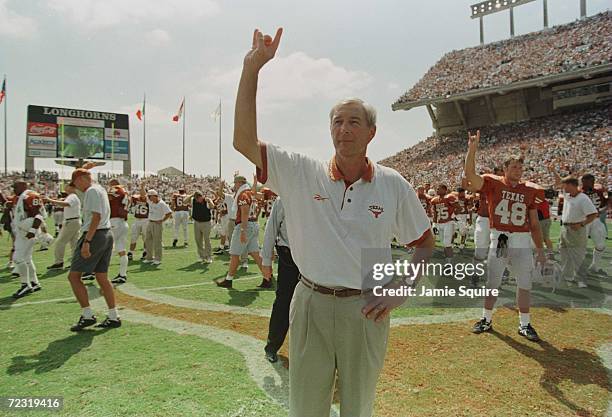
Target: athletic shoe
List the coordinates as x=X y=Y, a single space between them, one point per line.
x=88 y=276
x=174 y=242
x=224 y=283
x=582 y=284
x=245 y=266
x=596 y=271
x=22 y=291
x=59 y=265
x=36 y=287
x=109 y=324
x=208 y=261
x=144 y=255
x=218 y=251
x=265 y=283
x=14 y=274
x=185 y=244
x=272 y=357
x=10 y=265
x=119 y=279
x=482 y=326
x=156 y=263
x=130 y=256
x=82 y=323
x=529 y=333
x=147 y=261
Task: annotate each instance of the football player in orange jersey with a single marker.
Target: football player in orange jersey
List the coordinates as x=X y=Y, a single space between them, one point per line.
x=180 y=207
x=141 y=220
x=463 y=215
x=119 y=201
x=443 y=207
x=515 y=228
x=28 y=217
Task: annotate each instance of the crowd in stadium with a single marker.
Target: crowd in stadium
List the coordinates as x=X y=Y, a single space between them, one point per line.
x=564 y=48
x=577 y=143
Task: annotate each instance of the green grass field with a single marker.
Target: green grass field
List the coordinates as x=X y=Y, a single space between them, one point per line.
x=180 y=352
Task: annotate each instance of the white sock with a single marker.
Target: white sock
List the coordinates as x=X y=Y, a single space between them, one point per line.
x=112 y=313
x=229 y=277
x=123 y=264
x=87 y=313
x=487 y=314
x=524 y=318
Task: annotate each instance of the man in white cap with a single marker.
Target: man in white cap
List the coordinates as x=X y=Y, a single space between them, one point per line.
x=159 y=212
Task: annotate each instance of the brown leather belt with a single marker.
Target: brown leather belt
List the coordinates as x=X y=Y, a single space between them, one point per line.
x=336 y=292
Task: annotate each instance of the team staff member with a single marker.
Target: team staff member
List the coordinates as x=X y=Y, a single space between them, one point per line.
x=578 y=212
x=333 y=211
x=93 y=252
x=200 y=213
x=159 y=212
x=275 y=235
x=69 y=233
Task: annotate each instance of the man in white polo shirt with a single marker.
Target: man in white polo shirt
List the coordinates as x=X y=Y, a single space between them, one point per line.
x=578 y=212
x=69 y=233
x=334 y=210
x=159 y=212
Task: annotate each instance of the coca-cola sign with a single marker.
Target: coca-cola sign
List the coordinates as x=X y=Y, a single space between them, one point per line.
x=42 y=129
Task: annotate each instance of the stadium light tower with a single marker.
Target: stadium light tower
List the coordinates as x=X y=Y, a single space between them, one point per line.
x=480 y=10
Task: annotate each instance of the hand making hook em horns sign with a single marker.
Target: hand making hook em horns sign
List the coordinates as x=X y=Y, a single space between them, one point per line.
x=263 y=49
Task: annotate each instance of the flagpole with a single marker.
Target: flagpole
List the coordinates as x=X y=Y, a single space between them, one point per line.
x=220 y=138
x=144 y=136
x=5 y=136
x=184 y=113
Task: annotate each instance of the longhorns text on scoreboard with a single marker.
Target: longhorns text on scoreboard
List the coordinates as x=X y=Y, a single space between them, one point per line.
x=55 y=132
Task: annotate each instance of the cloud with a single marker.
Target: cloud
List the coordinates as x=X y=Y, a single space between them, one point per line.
x=295 y=78
x=94 y=14
x=157 y=37
x=13 y=24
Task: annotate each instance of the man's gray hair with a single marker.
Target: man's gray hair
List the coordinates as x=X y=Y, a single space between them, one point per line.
x=369 y=110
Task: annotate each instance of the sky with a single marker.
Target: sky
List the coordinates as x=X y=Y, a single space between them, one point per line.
x=105 y=54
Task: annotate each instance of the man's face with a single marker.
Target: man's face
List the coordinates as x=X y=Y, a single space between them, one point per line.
x=350 y=131
x=200 y=199
x=83 y=182
x=154 y=198
x=570 y=188
x=513 y=171
x=441 y=190
x=19 y=187
x=587 y=184
x=420 y=190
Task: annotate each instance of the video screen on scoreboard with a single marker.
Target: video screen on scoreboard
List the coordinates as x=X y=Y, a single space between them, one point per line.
x=80 y=142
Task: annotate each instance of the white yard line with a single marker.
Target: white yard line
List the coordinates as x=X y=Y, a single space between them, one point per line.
x=198 y=284
x=29 y=303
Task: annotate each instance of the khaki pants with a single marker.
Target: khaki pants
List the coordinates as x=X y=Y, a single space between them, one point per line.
x=572 y=246
x=327 y=335
x=68 y=234
x=201 y=230
x=153 y=241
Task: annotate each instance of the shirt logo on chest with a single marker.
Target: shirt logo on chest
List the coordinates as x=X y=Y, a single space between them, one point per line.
x=376 y=210
x=318 y=197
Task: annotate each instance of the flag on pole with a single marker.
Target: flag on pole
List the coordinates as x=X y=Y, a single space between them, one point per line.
x=3 y=91
x=177 y=116
x=216 y=114
x=141 y=112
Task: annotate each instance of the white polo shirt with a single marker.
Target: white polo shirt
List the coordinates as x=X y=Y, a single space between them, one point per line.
x=576 y=209
x=73 y=210
x=96 y=201
x=328 y=223
x=158 y=210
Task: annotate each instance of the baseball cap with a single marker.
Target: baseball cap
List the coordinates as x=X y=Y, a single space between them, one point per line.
x=79 y=172
x=239 y=178
x=152 y=192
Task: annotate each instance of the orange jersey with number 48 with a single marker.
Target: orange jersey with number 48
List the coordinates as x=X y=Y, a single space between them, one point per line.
x=509 y=205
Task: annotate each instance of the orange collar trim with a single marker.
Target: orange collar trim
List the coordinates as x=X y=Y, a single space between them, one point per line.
x=336 y=175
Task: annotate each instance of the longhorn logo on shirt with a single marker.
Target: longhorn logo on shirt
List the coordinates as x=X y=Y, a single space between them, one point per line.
x=376 y=210
x=318 y=197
